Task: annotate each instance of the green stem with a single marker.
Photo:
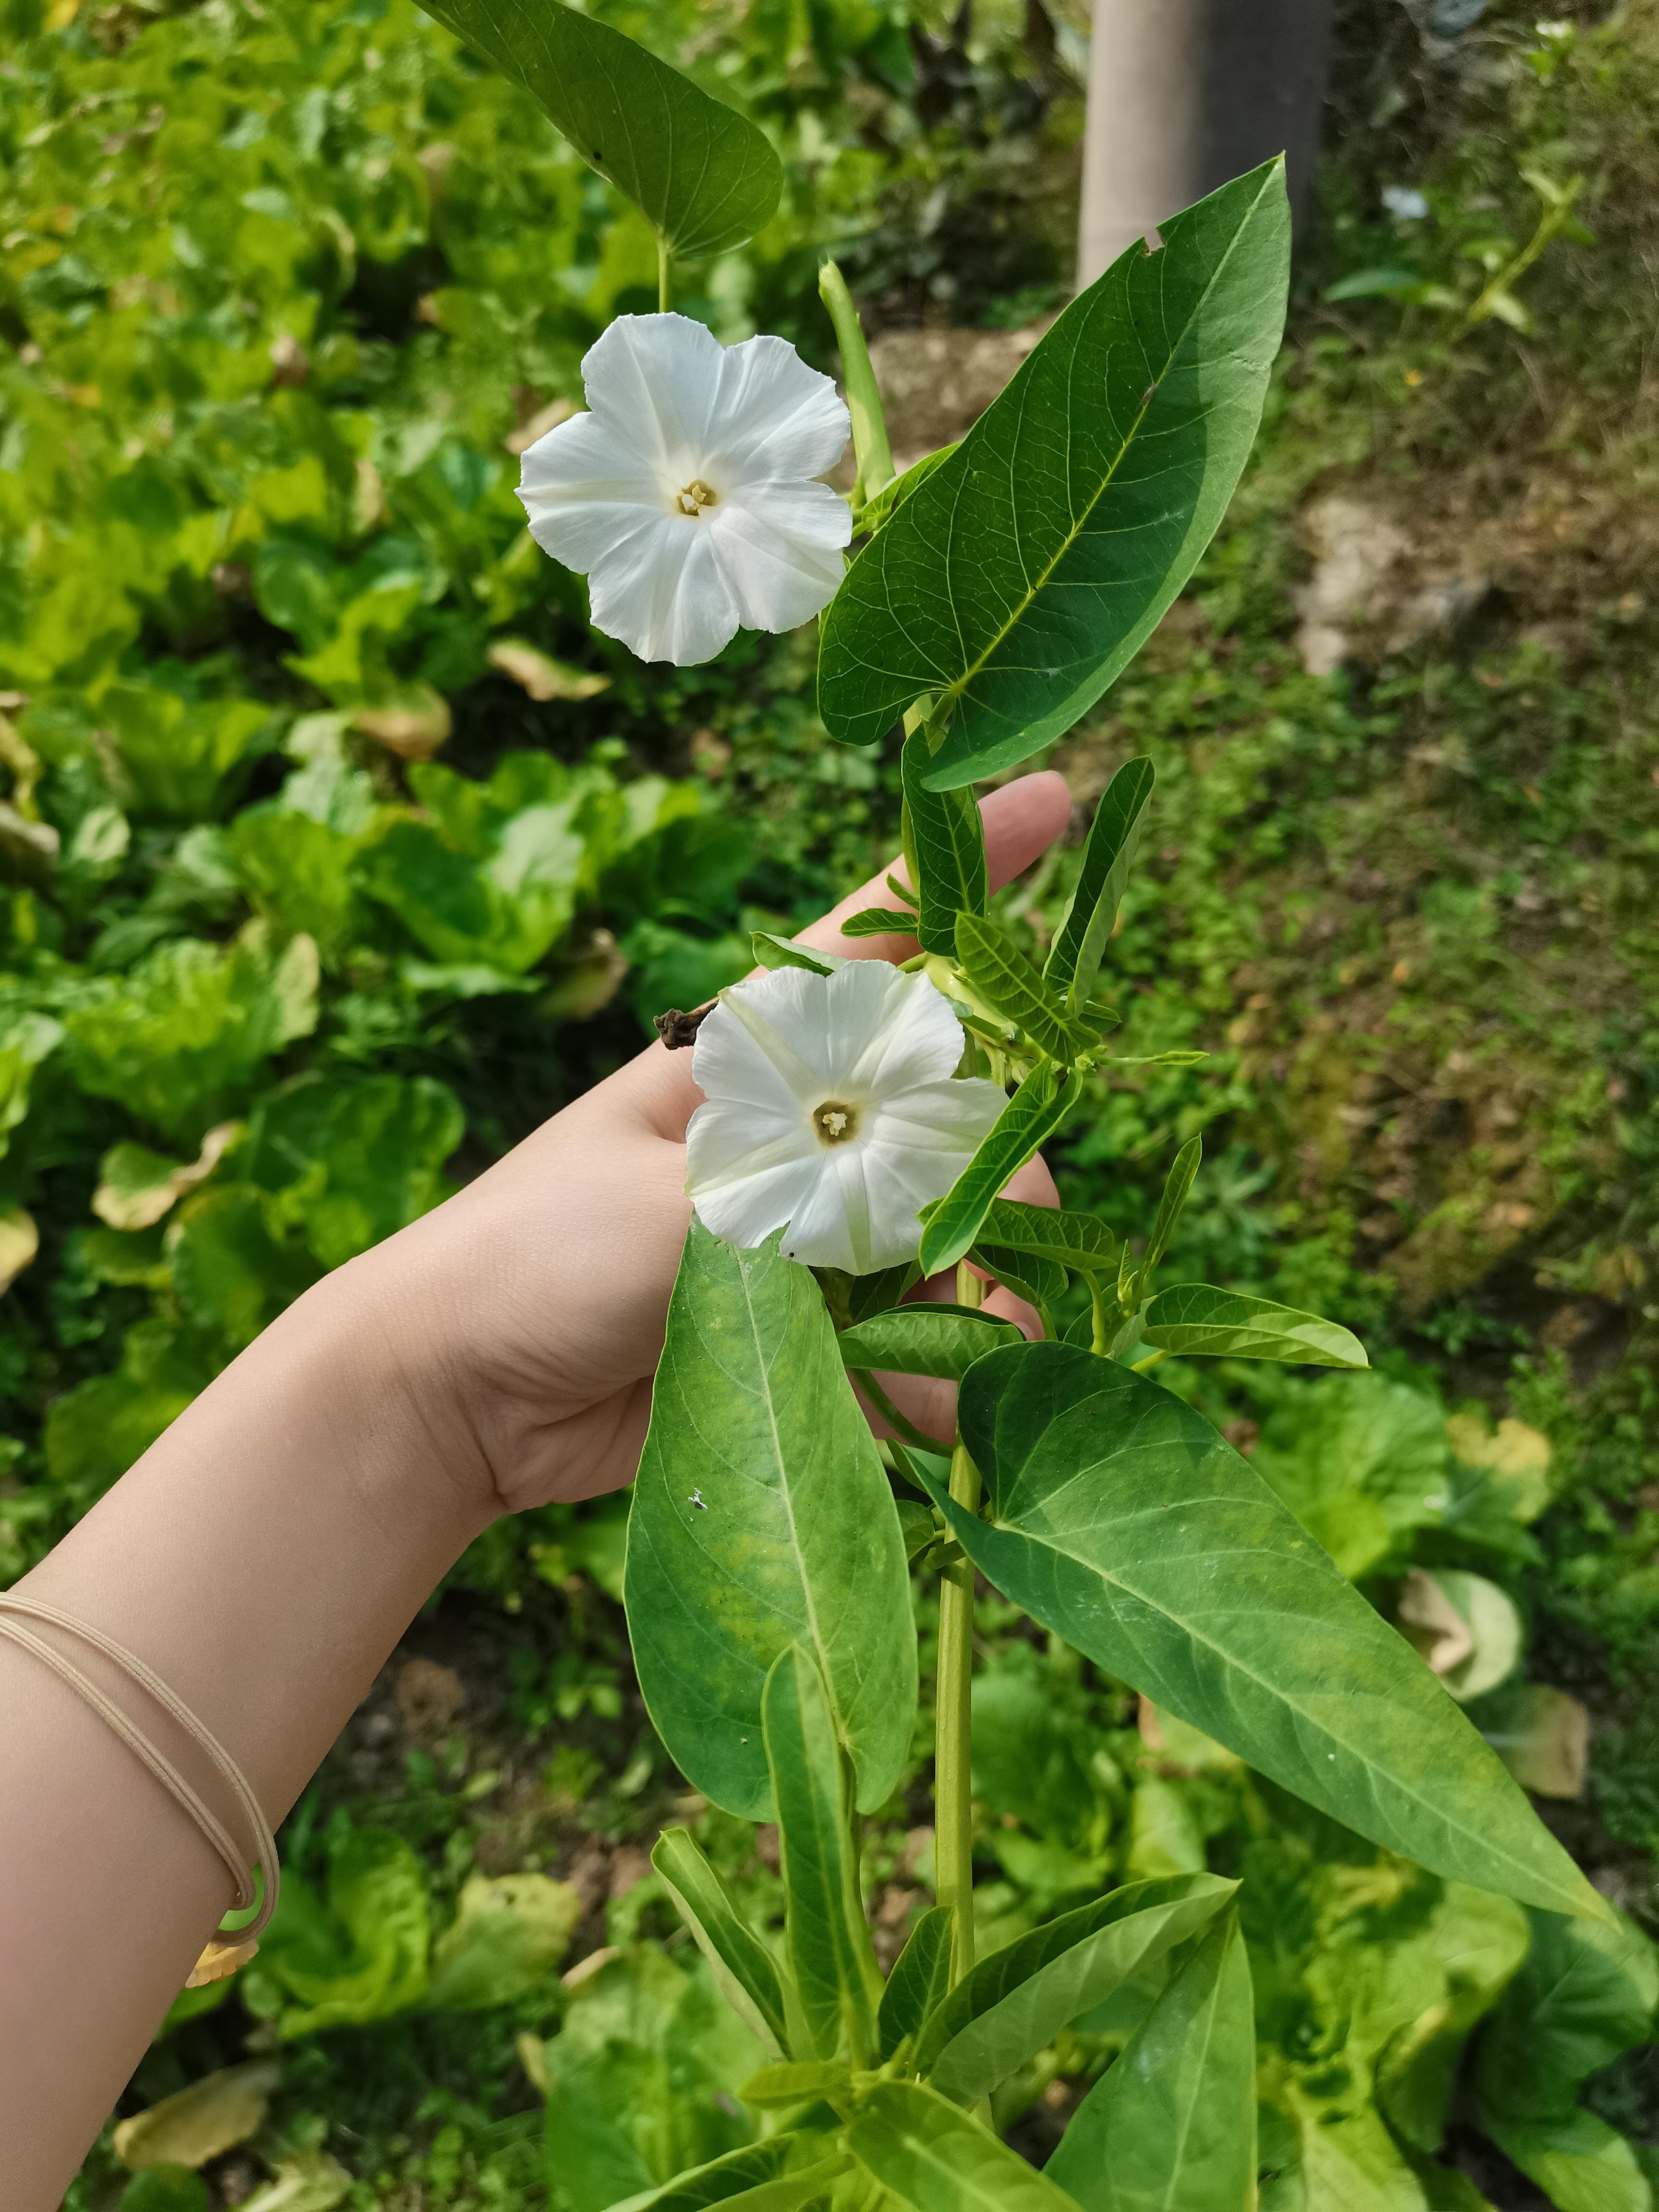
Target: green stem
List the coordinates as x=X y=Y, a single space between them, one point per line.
x=874 y=454
x=664 y=270
x=953 y=1786
x=1102 y=1336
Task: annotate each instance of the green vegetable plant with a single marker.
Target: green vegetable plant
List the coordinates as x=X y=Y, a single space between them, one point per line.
x=860 y=1126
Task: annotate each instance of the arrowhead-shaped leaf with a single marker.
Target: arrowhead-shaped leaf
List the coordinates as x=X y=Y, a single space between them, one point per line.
x=1192 y=1318
x=825 y=1933
x=1080 y=942
x=943 y=1342
x=705 y=176
x=1022 y=577
x=1125 y=1523
x=933 y=2158
x=762 y=1518
x=1172 y=2124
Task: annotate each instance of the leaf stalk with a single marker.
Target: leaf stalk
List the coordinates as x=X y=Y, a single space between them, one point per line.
x=953 y=1788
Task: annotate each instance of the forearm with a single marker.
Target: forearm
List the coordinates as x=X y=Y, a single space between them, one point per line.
x=263 y=1558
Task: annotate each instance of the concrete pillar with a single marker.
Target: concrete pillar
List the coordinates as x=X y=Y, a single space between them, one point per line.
x=1185 y=93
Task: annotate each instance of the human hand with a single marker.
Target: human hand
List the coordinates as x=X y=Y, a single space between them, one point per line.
x=529 y=1309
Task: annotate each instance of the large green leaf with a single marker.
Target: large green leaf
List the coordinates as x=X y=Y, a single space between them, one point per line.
x=1020 y=578
x=763 y=1518
x=1171 y=2126
x=1024 y=1125
x=1006 y=979
x=935 y=2159
x=948 y=840
x=1124 y=1523
x=826 y=1935
x=926 y=1339
x=1080 y=942
x=1581 y=2164
x=740 y=1963
x=1013 y=2004
x=920 y=1980
x=1224 y=1324
x=779 y=2175
x=702 y=175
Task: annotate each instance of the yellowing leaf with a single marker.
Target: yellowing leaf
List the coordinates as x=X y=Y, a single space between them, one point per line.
x=20 y=1240
x=414 y=727
x=1516 y=1454
x=1465 y=1628
x=219 y=1962
x=212 y=2115
x=540 y=675
x=140 y=1186
x=507 y=1935
x=312 y=2182
x=1547 y=1745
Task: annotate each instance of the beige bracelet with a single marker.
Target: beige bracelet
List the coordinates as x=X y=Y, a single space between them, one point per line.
x=232 y=1945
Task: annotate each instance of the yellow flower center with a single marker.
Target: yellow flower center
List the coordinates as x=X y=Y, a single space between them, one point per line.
x=834 y=1123
x=692 y=498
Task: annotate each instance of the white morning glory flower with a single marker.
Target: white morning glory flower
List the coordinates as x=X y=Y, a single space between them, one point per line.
x=686 y=494
x=831 y=1109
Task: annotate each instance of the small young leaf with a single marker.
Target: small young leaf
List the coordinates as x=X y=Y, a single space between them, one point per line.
x=1013 y=2004
x=775 y=2088
x=950 y=850
x=1006 y=980
x=1037 y=1281
x=1176 y=1184
x=879 y=921
x=739 y=1961
x=1080 y=942
x=1124 y=1523
x=1025 y=1124
x=784 y=2173
x=874 y=1294
x=772 y=951
x=1192 y=1318
x=825 y=1933
x=1076 y=1242
x=900 y=891
x=920 y=1980
x=933 y=2157
x=703 y=175
x=1173 y=2121
x=926 y=1339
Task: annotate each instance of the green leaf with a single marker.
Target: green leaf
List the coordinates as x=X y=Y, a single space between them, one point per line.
x=96 y=1430
x=795 y=1540
x=772 y=951
x=825 y=1934
x=926 y=1339
x=1023 y=575
x=880 y=510
x=183 y=755
x=775 y=2088
x=1039 y=1282
x=1013 y=2004
x=1176 y=1185
x=877 y=1293
x=233 y=1268
x=1581 y=2164
x=1193 y=1319
x=351 y=1162
x=1031 y=1116
x=920 y=1980
x=948 y=840
x=1172 y=2123
x=1076 y=1242
x=1006 y=979
x=737 y=1959
x=169 y=2188
x=1584 y=1995
x=879 y=921
x=365 y=1957
x=1125 y=1523
x=780 y=2175
x=703 y=175
x=1086 y=930
x=933 y=2158
x=508 y=1934
x=640 y=2084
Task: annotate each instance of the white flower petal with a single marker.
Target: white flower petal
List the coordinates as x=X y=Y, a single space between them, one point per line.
x=726 y=1141
x=825 y=1230
x=919 y=1040
x=940 y=1115
x=780 y=548
x=734 y=1061
x=746 y=1213
x=777 y=416
x=656 y=380
x=659 y=590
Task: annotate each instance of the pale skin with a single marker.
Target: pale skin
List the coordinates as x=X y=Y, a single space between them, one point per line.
x=264 y=1557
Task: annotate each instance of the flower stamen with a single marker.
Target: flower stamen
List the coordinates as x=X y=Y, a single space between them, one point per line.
x=692 y=498
x=834 y=1123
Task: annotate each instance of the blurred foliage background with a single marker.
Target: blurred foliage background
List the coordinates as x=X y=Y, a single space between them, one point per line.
x=337 y=851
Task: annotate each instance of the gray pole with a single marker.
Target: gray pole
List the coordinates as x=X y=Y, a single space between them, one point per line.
x=1185 y=93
